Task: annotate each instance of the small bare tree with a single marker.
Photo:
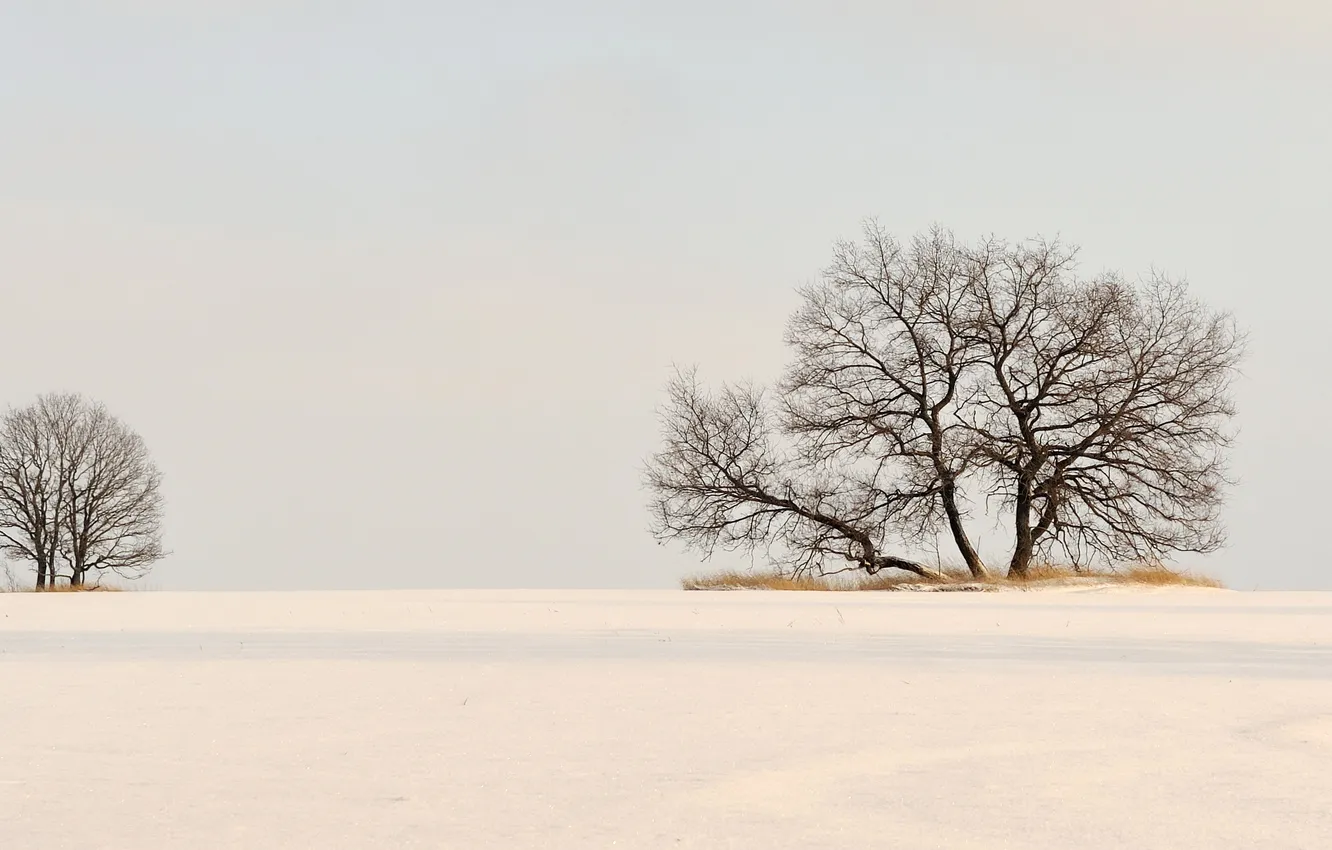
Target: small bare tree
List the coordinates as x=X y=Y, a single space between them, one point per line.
x=1096 y=411
x=79 y=490
x=11 y=582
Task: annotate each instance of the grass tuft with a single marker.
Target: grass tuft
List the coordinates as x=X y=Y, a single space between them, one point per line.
x=1155 y=574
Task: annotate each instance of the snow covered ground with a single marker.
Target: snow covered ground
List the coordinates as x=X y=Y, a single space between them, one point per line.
x=563 y=719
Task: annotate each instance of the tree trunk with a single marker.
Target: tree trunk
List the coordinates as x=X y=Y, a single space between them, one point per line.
x=888 y=562
x=76 y=578
x=1025 y=540
x=41 y=574
x=973 y=561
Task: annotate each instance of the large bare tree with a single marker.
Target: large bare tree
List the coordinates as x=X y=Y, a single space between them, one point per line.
x=79 y=493
x=1096 y=411
x=1105 y=416
x=883 y=360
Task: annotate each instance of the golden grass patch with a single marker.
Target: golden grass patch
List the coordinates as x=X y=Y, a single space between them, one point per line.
x=1038 y=575
x=730 y=580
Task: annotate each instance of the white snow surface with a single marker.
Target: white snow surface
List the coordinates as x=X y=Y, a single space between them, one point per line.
x=594 y=719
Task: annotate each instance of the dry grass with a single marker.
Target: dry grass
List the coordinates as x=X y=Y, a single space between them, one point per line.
x=757 y=581
x=1158 y=575
x=1042 y=575
x=10 y=583
x=1153 y=575
x=841 y=582
x=13 y=587
x=65 y=588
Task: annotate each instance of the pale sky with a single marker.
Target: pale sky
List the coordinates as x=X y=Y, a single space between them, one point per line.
x=391 y=289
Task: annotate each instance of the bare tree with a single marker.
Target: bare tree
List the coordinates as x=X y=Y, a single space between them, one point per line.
x=31 y=483
x=79 y=490
x=1105 y=419
x=1096 y=411
x=883 y=361
x=723 y=479
x=112 y=508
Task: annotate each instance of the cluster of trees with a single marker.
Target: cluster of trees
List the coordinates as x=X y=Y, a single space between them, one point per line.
x=79 y=494
x=930 y=377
